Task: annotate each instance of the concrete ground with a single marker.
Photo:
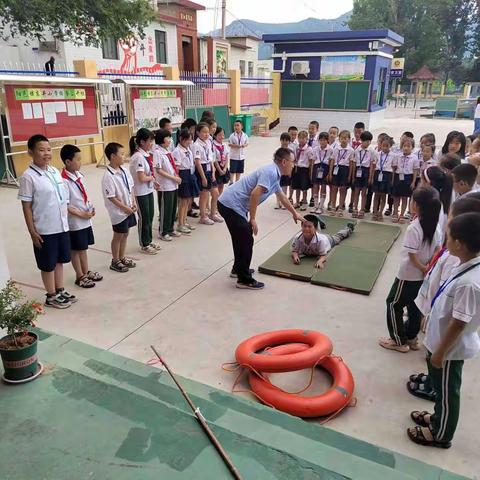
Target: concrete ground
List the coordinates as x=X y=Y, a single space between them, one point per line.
x=183 y=302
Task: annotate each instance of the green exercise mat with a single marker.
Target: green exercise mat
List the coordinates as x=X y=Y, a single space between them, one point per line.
x=351 y=268
x=373 y=236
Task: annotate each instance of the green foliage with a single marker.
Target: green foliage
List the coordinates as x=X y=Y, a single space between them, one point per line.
x=16 y=317
x=84 y=22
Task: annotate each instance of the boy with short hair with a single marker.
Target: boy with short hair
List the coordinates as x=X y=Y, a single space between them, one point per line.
x=166 y=124
x=237 y=142
x=464 y=179
x=333 y=137
x=452 y=335
x=80 y=212
x=310 y=242
x=293 y=132
x=44 y=197
x=117 y=188
x=358 y=129
x=313 y=127
x=364 y=161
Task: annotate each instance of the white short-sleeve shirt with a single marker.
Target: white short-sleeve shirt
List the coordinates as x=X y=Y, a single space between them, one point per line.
x=183 y=158
x=385 y=162
x=406 y=164
x=303 y=156
x=119 y=184
x=413 y=242
x=162 y=161
x=364 y=157
x=459 y=299
x=139 y=163
x=342 y=156
x=238 y=139
x=221 y=153
x=77 y=200
x=203 y=151
x=318 y=245
x=48 y=193
x=322 y=155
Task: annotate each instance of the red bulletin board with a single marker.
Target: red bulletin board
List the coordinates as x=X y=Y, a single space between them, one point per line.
x=56 y=111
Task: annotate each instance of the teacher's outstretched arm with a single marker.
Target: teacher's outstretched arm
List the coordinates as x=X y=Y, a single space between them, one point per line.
x=255 y=196
x=283 y=199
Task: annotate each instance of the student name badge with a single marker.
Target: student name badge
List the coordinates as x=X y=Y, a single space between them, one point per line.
x=380 y=177
x=335 y=170
x=320 y=172
x=401 y=176
x=208 y=167
x=359 y=172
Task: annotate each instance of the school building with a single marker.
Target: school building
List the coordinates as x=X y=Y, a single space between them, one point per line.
x=336 y=78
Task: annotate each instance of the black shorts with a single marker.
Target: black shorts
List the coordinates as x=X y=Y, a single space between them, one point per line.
x=385 y=186
x=222 y=179
x=189 y=186
x=361 y=182
x=81 y=239
x=208 y=175
x=285 y=180
x=124 y=226
x=320 y=173
x=301 y=179
x=55 y=249
x=237 y=166
x=402 y=188
x=341 y=178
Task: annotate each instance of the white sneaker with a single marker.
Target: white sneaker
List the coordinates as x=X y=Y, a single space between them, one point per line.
x=148 y=250
x=206 y=221
x=166 y=238
x=184 y=230
x=217 y=218
x=191 y=227
x=175 y=234
x=156 y=246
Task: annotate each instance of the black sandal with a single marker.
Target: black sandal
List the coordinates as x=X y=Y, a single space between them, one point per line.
x=419 y=438
x=418 y=377
x=418 y=390
x=419 y=418
x=84 y=282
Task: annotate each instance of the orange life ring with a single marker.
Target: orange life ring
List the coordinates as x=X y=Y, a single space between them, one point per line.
x=333 y=400
x=319 y=347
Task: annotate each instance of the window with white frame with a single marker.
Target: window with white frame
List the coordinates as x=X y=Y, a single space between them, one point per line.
x=241 y=65
x=161 y=46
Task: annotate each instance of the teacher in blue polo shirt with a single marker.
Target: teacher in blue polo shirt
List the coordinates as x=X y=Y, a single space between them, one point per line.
x=238 y=206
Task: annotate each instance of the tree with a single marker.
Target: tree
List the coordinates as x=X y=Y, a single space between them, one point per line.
x=84 y=22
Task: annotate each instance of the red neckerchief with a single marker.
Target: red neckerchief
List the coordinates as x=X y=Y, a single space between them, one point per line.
x=221 y=150
x=78 y=183
x=150 y=164
x=172 y=162
x=356 y=143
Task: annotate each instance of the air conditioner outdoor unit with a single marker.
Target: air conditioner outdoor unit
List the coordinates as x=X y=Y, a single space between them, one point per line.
x=48 y=46
x=300 y=68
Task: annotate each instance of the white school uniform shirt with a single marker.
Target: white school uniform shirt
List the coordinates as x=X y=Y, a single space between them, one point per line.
x=292 y=146
x=435 y=278
x=48 y=193
x=139 y=163
x=184 y=158
x=161 y=160
x=322 y=155
x=413 y=242
x=117 y=183
x=76 y=200
x=203 y=152
x=335 y=144
x=217 y=155
x=319 y=245
x=303 y=156
x=385 y=162
x=238 y=139
x=364 y=157
x=406 y=164
x=342 y=156
x=313 y=141
x=459 y=299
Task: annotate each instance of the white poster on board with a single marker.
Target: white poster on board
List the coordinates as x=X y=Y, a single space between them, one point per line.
x=148 y=111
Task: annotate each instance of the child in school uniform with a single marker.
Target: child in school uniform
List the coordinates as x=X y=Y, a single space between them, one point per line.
x=452 y=334
x=383 y=177
x=293 y=132
x=301 y=175
x=333 y=137
x=44 y=196
x=285 y=180
x=340 y=173
x=188 y=188
x=168 y=179
x=143 y=174
x=166 y=124
x=313 y=134
x=309 y=242
x=117 y=188
x=237 y=143
x=358 y=129
x=221 y=159
x=404 y=180
x=80 y=212
x=455 y=143
x=464 y=179
x=205 y=171
x=321 y=167
x=364 y=162
x=422 y=239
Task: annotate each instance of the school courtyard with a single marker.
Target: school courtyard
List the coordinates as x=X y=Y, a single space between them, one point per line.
x=183 y=302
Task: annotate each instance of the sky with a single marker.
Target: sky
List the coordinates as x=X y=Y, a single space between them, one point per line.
x=270 y=11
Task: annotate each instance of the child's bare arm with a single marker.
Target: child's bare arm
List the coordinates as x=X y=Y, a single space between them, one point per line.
x=414 y=259
x=118 y=203
x=448 y=341
x=322 y=260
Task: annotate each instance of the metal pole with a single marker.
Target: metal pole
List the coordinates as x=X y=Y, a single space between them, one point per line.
x=196 y=410
x=224 y=12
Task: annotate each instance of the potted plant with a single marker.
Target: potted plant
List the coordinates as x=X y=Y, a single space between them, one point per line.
x=18 y=348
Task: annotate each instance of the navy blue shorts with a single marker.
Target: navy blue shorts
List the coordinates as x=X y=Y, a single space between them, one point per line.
x=189 y=186
x=208 y=175
x=301 y=178
x=361 y=182
x=55 y=249
x=385 y=186
x=402 y=188
x=124 y=226
x=81 y=239
x=320 y=173
x=237 y=166
x=341 y=179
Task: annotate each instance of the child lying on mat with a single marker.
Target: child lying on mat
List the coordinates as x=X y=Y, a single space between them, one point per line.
x=309 y=242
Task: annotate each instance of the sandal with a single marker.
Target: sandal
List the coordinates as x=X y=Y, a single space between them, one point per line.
x=380 y=217
x=361 y=214
x=84 y=282
x=417 y=435
x=419 y=418
x=389 y=344
x=418 y=377
x=401 y=220
x=340 y=212
x=94 y=276
x=355 y=214
x=419 y=390
x=413 y=344
x=128 y=263
x=118 y=266
x=395 y=219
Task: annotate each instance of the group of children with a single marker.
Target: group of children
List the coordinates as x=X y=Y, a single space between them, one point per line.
x=382 y=178
x=58 y=210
